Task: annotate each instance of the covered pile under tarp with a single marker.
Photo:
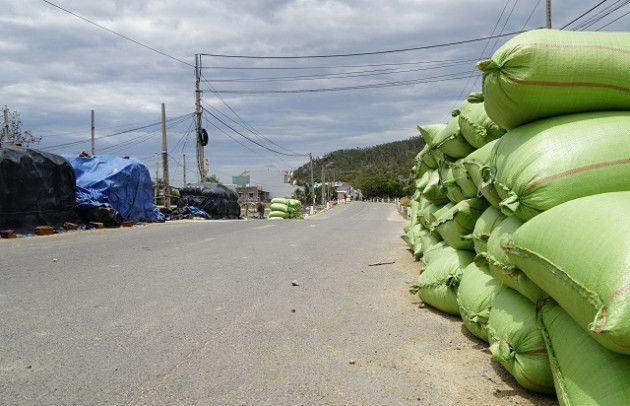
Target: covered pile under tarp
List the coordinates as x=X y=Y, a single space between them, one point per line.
x=120 y=183
x=36 y=189
x=216 y=199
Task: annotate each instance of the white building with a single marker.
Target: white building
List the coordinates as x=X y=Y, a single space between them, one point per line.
x=278 y=183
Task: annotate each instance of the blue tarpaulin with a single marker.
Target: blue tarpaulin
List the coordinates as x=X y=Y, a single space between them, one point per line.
x=121 y=183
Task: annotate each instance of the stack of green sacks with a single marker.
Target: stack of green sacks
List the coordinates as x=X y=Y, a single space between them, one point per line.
x=282 y=208
x=549 y=277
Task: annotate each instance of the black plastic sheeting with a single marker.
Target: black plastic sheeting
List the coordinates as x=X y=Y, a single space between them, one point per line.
x=216 y=199
x=37 y=188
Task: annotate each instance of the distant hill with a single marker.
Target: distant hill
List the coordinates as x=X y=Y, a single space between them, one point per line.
x=395 y=159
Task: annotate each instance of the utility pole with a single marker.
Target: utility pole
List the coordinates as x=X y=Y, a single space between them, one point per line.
x=323 y=189
x=201 y=161
x=184 y=169
x=548 y=14
x=5 y=130
x=92 y=130
x=312 y=181
x=157 y=184
x=167 y=191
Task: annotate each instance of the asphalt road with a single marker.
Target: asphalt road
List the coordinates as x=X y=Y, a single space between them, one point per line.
x=206 y=313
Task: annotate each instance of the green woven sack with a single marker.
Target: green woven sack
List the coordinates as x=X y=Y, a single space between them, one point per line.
x=435 y=192
x=430 y=132
x=444 y=208
x=426 y=156
x=453 y=191
x=294 y=203
x=477 y=165
x=486 y=223
x=502 y=267
x=278 y=214
x=408 y=236
x=580 y=253
x=475 y=125
x=463 y=179
x=420 y=233
x=426 y=212
x=279 y=207
x=425 y=160
x=434 y=249
x=438 y=282
x=429 y=242
x=475 y=296
x=545 y=73
x=411 y=235
x=585 y=373
x=517 y=343
x=422 y=181
x=455 y=224
x=281 y=200
x=548 y=162
x=450 y=143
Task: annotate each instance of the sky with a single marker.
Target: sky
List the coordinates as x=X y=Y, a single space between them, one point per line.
x=280 y=79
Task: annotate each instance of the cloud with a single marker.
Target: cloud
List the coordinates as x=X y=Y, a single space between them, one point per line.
x=57 y=67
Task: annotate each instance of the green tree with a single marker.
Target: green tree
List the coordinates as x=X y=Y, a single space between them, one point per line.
x=380 y=184
x=213 y=179
x=16 y=135
x=304 y=194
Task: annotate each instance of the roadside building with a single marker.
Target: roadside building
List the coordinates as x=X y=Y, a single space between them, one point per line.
x=264 y=184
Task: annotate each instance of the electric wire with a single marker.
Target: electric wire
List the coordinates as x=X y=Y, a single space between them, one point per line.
x=244 y=123
x=143 y=137
x=613 y=21
x=249 y=139
x=370 y=65
x=118 y=34
x=467 y=86
x=496 y=41
x=461 y=42
x=231 y=137
x=343 y=75
x=79 y=142
x=531 y=14
x=583 y=14
x=433 y=79
x=601 y=15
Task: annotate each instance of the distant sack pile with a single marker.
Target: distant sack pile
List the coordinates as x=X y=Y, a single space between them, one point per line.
x=285 y=209
x=522 y=211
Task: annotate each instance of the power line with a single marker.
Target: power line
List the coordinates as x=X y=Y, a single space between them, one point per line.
x=370 y=65
x=613 y=21
x=441 y=78
x=232 y=138
x=248 y=138
x=531 y=14
x=118 y=34
x=141 y=138
x=72 y=143
x=366 y=53
x=485 y=47
x=343 y=75
x=582 y=15
x=244 y=123
x=602 y=14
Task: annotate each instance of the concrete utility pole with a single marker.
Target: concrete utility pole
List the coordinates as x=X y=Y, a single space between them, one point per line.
x=92 y=131
x=201 y=160
x=312 y=181
x=323 y=189
x=184 y=169
x=167 y=191
x=5 y=130
x=548 y=14
x=156 y=189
